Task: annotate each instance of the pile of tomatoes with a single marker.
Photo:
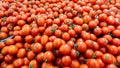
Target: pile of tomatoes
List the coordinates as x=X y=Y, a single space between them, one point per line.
x=59 y=34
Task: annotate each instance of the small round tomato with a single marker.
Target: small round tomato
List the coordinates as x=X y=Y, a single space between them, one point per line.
x=107 y=58
x=102 y=64
x=88 y=53
x=112 y=49
x=40 y=56
x=66 y=60
x=12 y=50
x=102 y=42
x=9 y=66
x=18 y=62
x=29 y=38
x=65 y=36
x=44 y=39
x=33 y=64
x=93 y=63
x=111 y=66
x=81 y=47
x=3 y=35
x=21 y=53
x=116 y=33
x=8 y=58
x=65 y=49
x=97 y=31
x=30 y=55
x=48 y=56
x=49 y=46
x=57 y=42
x=75 y=64
x=36 y=47
x=78 y=21
x=74 y=54
x=102 y=17
x=84 y=66
x=92 y=24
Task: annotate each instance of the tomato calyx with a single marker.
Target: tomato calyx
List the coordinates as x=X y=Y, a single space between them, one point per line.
x=30 y=66
x=72 y=26
x=27 y=49
x=107 y=57
x=46 y=60
x=116 y=63
x=73 y=39
x=111 y=35
x=93 y=56
x=76 y=45
x=77 y=53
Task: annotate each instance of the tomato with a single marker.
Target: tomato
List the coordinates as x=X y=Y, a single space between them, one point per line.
x=48 y=56
x=102 y=17
x=75 y=64
x=111 y=66
x=30 y=55
x=3 y=35
x=2 y=44
x=49 y=46
x=97 y=31
x=107 y=58
x=3 y=65
x=116 y=33
x=65 y=49
x=66 y=36
x=44 y=39
x=18 y=62
x=12 y=50
x=8 y=58
x=112 y=49
x=21 y=53
x=18 y=39
x=33 y=64
x=92 y=24
x=36 y=47
x=93 y=63
x=57 y=42
x=81 y=46
x=102 y=42
x=10 y=66
x=66 y=60
x=115 y=41
x=83 y=66
x=89 y=53
x=78 y=20
x=29 y=39
x=26 y=29
x=98 y=54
